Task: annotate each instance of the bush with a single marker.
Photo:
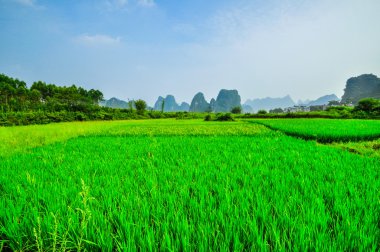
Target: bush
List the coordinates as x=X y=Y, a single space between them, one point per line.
x=79 y=116
x=208 y=117
x=367 y=105
x=225 y=117
x=276 y=111
x=236 y=110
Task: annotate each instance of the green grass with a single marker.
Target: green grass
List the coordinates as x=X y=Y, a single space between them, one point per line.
x=190 y=186
x=326 y=130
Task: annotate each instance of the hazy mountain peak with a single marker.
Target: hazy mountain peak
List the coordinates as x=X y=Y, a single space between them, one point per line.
x=363 y=86
x=323 y=100
x=170 y=104
x=269 y=103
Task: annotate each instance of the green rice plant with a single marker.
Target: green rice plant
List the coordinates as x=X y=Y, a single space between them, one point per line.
x=54 y=234
x=186 y=187
x=85 y=215
x=38 y=236
x=22 y=138
x=325 y=130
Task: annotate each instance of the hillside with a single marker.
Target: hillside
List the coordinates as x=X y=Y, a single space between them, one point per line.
x=170 y=104
x=324 y=100
x=114 y=103
x=363 y=86
x=224 y=102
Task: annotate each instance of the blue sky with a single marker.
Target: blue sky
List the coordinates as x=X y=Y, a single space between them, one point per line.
x=134 y=49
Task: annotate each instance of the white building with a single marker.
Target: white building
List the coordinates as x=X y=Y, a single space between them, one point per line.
x=295 y=109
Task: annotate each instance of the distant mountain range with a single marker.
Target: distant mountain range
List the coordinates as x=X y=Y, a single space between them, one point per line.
x=284 y=102
x=363 y=86
x=225 y=101
x=268 y=104
x=114 y=103
x=324 y=100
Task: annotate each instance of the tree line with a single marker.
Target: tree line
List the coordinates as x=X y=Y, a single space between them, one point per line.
x=44 y=103
x=15 y=96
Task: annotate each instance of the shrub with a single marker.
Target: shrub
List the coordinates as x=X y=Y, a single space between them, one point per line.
x=262 y=112
x=276 y=110
x=225 y=117
x=79 y=116
x=367 y=105
x=208 y=117
x=236 y=110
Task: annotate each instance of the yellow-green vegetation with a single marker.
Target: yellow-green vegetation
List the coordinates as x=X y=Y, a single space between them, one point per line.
x=367 y=148
x=176 y=185
x=16 y=139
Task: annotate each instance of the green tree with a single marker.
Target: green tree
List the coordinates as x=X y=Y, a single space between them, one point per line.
x=236 y=110
x=7 y=92
x=367 y=105
x=130 y=105
x=276 y=110
x=96 y=96
x=333 y=103
x=140 y=106
x=42 y=88
x=34 y=99
x=162 y=106
x=22 y=95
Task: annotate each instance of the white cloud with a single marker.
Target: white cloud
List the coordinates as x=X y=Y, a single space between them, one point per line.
x=97 y=40
x=146 y=3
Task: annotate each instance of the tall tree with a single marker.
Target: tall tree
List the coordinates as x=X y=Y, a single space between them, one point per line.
x=140 y=106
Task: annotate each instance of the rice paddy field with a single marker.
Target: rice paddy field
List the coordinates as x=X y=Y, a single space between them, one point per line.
x=326 y=130
x=188 y=185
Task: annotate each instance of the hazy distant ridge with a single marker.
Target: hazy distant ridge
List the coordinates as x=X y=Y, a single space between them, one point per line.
x=114 y=103
x=269 y=103
x=363 y=86
x=324 y=100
